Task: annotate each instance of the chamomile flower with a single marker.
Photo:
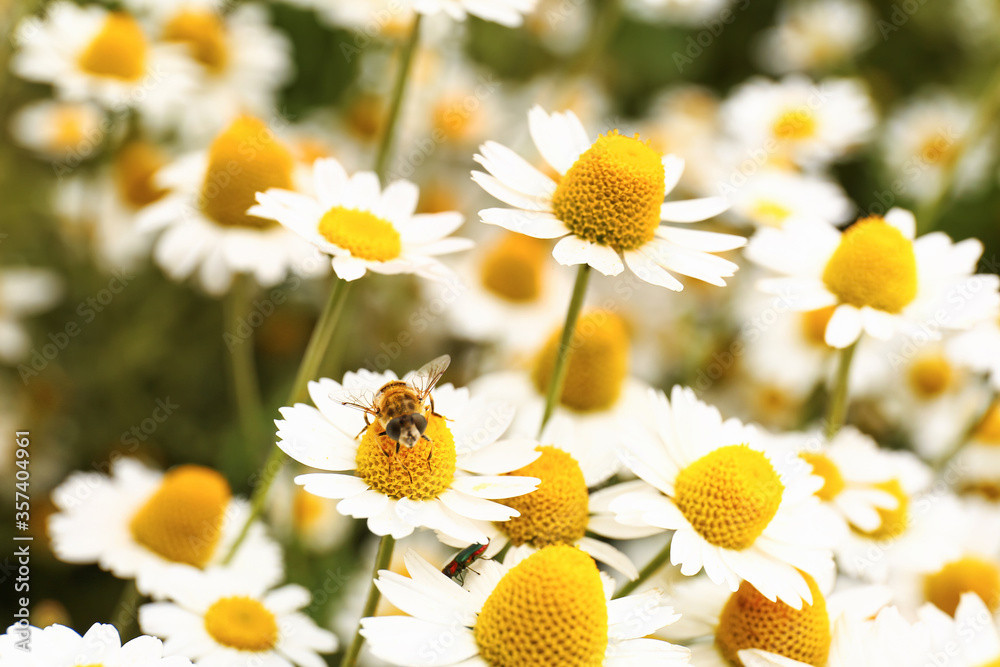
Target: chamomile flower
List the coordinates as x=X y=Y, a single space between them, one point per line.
x=550 y=609
x=969 y=637
x=59 y=646
x=307 y=519
x=816 y=35
x=59 y=130
x=774 y=196
x=810 y=123
x=23 y=292
x=738 y=511
x=682 y=12
x=880 y=279
x=978 y=462
x=607 y=205
x=505 y=12
x=237 y=621
x=206 y=227
x=90 y=53
x=978 y=349
x=364 y=227
x=444 y=482
x=141 y=523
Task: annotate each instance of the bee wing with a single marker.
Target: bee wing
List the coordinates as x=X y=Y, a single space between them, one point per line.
x=424 y=379
x=359 y=399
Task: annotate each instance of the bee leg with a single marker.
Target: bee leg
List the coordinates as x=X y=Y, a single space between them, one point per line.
x=381 y=434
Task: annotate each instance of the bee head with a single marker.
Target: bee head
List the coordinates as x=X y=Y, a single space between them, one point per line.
x=406 y=430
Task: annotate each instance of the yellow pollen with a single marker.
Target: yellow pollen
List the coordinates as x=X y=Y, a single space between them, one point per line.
x=750 y=620
x=548 y=610
x=306 y=509
x=894 y=522
x=513 y=269
x=969 y=574
x=364 y=234
x=930 y=376
x=729 y=495
x=243 y=160
x=988 y=430
x=243 y=624
x=612 y=194
x=204 y=32
x=874 y=266
x=421 y=473
x=182 y=520
x=822 y=466
x=770 y=213
x=558 y=511
x=795 y=125
x=135 y=166
x=597 y=365
x=814 y=325
x=118 y=51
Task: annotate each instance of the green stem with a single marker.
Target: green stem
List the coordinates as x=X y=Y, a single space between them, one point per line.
x=242 y=372
x=652 y=567
x=382 y=560
x=985 y=116
x=126 y=610
x=558 y=378
x=837 y=409
x=602 y=29
x=396 y=102
x=315 y=351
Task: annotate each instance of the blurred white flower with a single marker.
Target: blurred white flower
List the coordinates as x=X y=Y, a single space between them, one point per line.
x=59 y=646
x=816 y=35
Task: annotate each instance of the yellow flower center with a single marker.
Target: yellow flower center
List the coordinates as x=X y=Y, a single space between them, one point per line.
x=70 y=125
x=306 y=509
x=770 y=213
x=242 y=623
x=969 y=574
x=597 y=364
x=513 y=269
x=455 y=118
x=243 y=160
x=988 y=430
x=421 y=473
x=365 y=117
x=612 y=194
x=874 y=266
x=729 y=496
x=204 y=32
x=894 y=521
x=992 y=663
x=822 y=466
x=182 y=520
x=364 y=234
x=135 y=166
x=938 y=149
x=750 y=620
x=814 y=325
x=795 y=125
x=558 y=511
x=930 y=376
x=548 y=610
x=118 y=51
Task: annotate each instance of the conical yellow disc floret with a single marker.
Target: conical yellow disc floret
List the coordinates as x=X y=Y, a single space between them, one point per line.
x=930 y=376
x=612 y=194
x=555 y=513
x=420 y=473
x=242 y=161
x=822 y=466
x=750 y=620
x=795 y=125
x=729 y=495
x=893 y=521
x=243 y=624
x=135 y=166
x=548 y=610
x=873 y=266
x=363 y=234
x=513 y=269
x=118 y=51
x=182 y=520
x=204 y=32
x=597 y=364
x=970 y=574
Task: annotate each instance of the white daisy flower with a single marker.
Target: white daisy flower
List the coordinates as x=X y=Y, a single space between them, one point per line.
x=969 y=637
x=682 y=12
x=59 y=131
x=880 y=279
x=978 y=462
x=24 y=292
x=90 y=53
x=978 y=349
x=810 y=123
x=505 y=12
x=145 y=524
x=237 y=622
x=59 y=646
x=607 y=205
x=444 y=482
x=738 y=511
x=734 y=622
x=364 y=227
x=551 y=608
x=206 y=227
x=775 y=196
x=816 y=35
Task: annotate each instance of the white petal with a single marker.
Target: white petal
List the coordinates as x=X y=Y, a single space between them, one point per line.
x=560 y=137
x=647 y=269
x=539 y=224
x=693 y=210
x=902 y=220
x=495 y=487
x=514 y=171
x=844 y=326
x=349 y=268
x=573 y=250
x=507 y=195
x=696 y=239
x=331 y=485
x=673 y=169
x=607 y=554
x=878 y=323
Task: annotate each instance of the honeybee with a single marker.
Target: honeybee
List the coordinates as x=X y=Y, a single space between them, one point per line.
x=399 y=405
